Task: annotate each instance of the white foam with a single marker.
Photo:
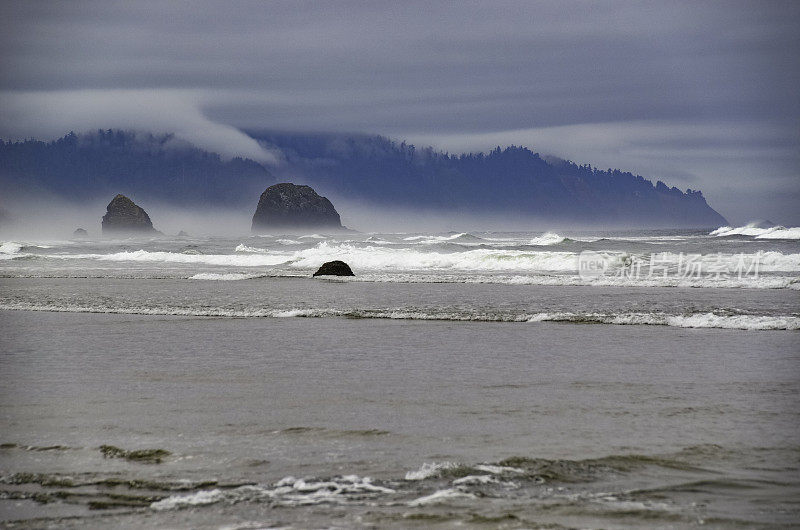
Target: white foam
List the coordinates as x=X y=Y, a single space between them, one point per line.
x=174 y=311
x=695 y=320
x=10 y=247
x=548 y=238
x=291 y=313
x=250 y=260
x=750 y=322
x=773 y=232
x=463 y=238
x=498 y=470
x=715 y=269
x=246 y=248
x=498 y=260
x=382 y=258
x=230 y=276
x=475 y=479
x=195 y=499
x=441 y=496
x=628 y=505
x=716 y=264
x=241 y=247
x=377 y=241
x=745 y=282
x=289 y=491
x=431 y=469
x=781 y=233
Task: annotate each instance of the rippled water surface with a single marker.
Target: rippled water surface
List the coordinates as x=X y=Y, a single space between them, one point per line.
x=473 y=380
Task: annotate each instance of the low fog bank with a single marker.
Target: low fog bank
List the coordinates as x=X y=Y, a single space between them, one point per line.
x=365 y=217
x=51 y=218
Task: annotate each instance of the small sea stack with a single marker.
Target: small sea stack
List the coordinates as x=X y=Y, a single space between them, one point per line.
x=80 y=233
x=123 y=216
x=288 y=207
x=334 y=268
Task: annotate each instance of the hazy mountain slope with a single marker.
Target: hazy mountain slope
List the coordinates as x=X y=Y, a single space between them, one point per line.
x=513 y=181
x=139 y=165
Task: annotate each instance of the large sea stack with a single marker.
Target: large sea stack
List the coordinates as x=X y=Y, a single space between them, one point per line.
x=124 y=217
x=288 y=207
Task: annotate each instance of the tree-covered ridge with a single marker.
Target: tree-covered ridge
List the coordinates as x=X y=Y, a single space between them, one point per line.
x=138 y=164
x=512 y=180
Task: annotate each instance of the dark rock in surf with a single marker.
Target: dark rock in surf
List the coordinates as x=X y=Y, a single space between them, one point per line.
x=124 y=216
x=182 y=234
x=334 y=268
x=291 y=207
x=80 y=232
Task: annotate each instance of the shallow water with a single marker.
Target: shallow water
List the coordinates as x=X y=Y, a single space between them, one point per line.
x=474 y=389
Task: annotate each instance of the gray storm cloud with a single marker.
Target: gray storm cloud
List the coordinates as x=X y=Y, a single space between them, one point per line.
x=700 y=94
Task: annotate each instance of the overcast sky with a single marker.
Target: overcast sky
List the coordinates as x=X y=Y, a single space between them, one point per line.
x=698 y=94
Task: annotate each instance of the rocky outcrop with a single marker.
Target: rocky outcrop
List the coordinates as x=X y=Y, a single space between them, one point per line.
x=124 y=217
x=290 y=207
x=80 y=233
x=334 y=268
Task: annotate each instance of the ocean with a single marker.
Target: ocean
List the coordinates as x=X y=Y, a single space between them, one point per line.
x=568 y=379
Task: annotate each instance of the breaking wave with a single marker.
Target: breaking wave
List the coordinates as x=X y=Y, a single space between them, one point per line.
x=435 y=483
x=11 y=250
x=757 y=232
x=244 y=248
x=548 y=238
x=382 y=258
x=432 y=469
x=691 y=320
x=10 y=247
x=463 y=237
x=745 y=282
x=263 y=259
x=694 y=320
x=289 y=491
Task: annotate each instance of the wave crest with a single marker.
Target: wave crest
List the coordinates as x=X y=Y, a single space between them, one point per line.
x=548 y=238
x=757 y=232
x=692 y=320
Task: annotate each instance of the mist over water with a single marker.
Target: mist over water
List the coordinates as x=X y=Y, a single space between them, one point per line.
x=50 y=218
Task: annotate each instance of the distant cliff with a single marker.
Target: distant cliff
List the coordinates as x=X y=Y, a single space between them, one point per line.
x=514 y=182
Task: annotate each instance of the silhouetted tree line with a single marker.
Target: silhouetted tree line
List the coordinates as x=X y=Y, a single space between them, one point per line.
x=159 y=166
x=512 y=180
